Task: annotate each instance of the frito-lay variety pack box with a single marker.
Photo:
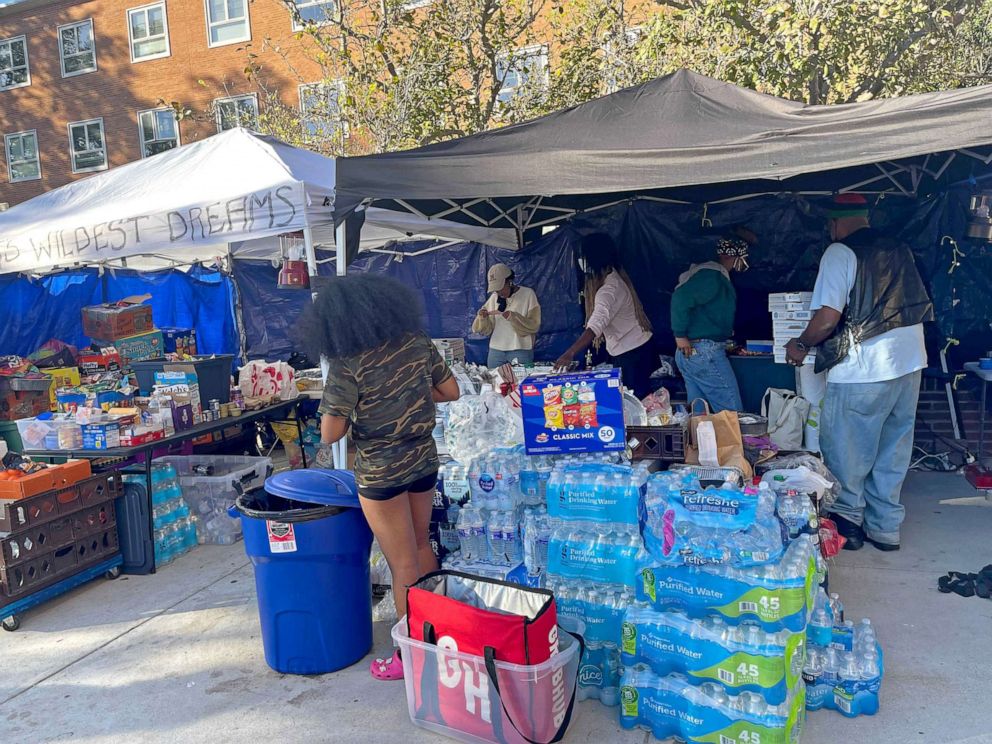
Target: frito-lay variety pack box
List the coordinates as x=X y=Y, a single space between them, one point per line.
x=573 y=412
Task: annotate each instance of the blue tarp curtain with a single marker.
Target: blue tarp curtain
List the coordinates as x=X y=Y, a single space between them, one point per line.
x=658 y=242
x=36 y=310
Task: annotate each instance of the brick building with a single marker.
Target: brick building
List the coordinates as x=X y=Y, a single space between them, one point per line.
x=82 y=83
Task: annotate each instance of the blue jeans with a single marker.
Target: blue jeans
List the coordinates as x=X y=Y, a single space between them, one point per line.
x=498 y=357
x=708 y=375
x=866 y=435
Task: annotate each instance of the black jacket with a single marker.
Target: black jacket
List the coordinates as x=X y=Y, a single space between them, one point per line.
x=888 y=293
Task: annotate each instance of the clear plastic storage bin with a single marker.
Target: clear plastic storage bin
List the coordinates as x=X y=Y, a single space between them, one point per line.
x=210 y=484
x=450 y=693
x=55 y=432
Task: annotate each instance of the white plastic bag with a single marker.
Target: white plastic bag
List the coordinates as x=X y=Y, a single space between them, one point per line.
x=260 y=379
x=478 y=423
x=786 y=413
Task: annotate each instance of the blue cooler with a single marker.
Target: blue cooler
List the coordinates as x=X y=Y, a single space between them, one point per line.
x=309 y=543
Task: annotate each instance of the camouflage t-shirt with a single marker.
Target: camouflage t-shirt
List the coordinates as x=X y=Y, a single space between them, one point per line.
x=386 y=393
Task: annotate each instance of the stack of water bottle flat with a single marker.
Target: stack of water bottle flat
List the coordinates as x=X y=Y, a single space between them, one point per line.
x=704 y=618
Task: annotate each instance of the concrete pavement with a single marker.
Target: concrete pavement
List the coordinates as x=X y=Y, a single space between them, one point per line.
x=177 y=656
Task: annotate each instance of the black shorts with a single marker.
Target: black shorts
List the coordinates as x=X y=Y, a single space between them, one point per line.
x=421 y=485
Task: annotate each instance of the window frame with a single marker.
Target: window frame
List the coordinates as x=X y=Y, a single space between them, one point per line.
x=6 y=153
x=210 y=24
x=141 y=131
x=58 y=33
x=234 y=99
x=72 y=147
x=526 y=52
x=130 y=32
x=307 y=3
x=342 y=125
x=27 y=61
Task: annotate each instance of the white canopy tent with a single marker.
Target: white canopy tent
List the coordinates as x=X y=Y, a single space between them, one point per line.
x=230 y=194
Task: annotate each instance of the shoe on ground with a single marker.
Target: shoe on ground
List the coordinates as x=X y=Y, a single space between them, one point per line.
x=852 y=533
x=883 y=546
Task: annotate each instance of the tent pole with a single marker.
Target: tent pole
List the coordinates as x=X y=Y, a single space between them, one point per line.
x=341 y=264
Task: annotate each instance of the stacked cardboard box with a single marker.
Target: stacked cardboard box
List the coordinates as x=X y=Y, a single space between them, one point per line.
x=125 y=326
x=790 y=314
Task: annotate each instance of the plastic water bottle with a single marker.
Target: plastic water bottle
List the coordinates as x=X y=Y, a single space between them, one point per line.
x=820 y=628
x=466 y=534
x=868 y=668
x=836 y=609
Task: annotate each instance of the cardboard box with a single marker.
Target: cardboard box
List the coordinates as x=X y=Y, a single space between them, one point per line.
x=578 y=412
x=179 y=341
x=760 y=347
x=61 y=377
x=793 y=314
x=116 y=320
x=71 y=399
x=99 y=361
x=452 y=350
x=23 y=397
x=184 y=390
x=137 y=348
x=106 y=433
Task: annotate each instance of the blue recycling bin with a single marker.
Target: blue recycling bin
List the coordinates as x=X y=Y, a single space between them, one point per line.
x=309 y=542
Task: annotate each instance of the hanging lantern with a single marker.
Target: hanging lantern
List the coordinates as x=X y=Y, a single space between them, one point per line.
x=980 y=224
x=293 y=274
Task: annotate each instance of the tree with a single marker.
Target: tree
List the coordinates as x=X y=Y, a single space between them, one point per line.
x=420 y=74
x=416 y=73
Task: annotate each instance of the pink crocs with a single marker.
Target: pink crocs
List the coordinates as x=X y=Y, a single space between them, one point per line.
x=388 y=669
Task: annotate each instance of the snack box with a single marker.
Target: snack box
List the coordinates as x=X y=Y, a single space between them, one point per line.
x=137 y=348
x=117 y=320
x=793 y=314
x=98 y=361
x=573 y=412
x=106 y=433
x=70 y=399
x=62 y=377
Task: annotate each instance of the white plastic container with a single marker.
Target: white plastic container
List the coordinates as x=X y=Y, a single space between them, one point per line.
x=450 y=693
x=60 y=432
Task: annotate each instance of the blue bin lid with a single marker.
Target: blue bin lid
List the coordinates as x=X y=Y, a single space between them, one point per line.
x=316 y=486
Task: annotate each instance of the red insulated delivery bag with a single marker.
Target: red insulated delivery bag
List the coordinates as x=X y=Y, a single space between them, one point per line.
x=501 y=623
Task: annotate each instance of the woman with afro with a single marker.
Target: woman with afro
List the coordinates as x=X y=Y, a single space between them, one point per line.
x=384 y=379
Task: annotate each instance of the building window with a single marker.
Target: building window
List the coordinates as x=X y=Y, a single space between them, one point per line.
x=14 y=72
x=317 y=12
x=87 y=146
x=148 y=31
x=236 y=111
x=22 y=156
x=227 y=22
x=77 y=50
x=519 y=68
x=159 y=131
x=320 y=107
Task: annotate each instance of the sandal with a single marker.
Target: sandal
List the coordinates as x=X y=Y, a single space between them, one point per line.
x=390 y=669
x=961 y=584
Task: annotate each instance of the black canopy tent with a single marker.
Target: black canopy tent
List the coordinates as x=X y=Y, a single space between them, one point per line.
x=683 y=139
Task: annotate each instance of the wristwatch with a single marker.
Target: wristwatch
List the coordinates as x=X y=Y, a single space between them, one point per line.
x=802 y=347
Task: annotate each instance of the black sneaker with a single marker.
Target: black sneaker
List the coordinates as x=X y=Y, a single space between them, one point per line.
x=885 y=547
x=854 y=535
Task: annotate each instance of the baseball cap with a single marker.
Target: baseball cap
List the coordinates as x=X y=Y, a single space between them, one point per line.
x=497 y=277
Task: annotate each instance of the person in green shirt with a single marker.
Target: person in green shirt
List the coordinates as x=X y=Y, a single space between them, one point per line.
x=703 y=307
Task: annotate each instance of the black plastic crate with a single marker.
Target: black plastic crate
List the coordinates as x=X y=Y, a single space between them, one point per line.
x=27 y=578
x=666 y=443
x=213 y=375
x=18 y=514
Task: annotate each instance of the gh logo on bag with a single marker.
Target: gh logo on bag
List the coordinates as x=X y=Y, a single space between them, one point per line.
x=453 y=672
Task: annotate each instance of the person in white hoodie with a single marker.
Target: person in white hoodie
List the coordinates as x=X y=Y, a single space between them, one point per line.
x=511 y=318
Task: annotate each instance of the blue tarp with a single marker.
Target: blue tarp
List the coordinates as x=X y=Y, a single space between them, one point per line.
x=36 y=310
x=451 y=281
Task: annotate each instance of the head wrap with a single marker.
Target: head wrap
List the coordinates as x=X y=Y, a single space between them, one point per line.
x=737 y=249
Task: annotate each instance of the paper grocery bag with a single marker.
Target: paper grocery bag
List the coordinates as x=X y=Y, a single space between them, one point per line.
x=729 y=442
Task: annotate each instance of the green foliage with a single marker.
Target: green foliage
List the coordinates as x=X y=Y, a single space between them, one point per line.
x=421 y=75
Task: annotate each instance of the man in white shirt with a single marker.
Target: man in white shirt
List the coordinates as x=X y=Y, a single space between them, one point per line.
x=870 y=305
x=511 y=318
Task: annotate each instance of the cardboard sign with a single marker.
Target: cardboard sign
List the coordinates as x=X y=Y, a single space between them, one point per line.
x=576 y=412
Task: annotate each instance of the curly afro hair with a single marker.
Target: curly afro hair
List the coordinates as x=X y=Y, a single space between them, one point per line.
x=355 y=313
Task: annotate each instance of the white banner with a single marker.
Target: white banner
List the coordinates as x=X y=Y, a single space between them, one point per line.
x=270 y=211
